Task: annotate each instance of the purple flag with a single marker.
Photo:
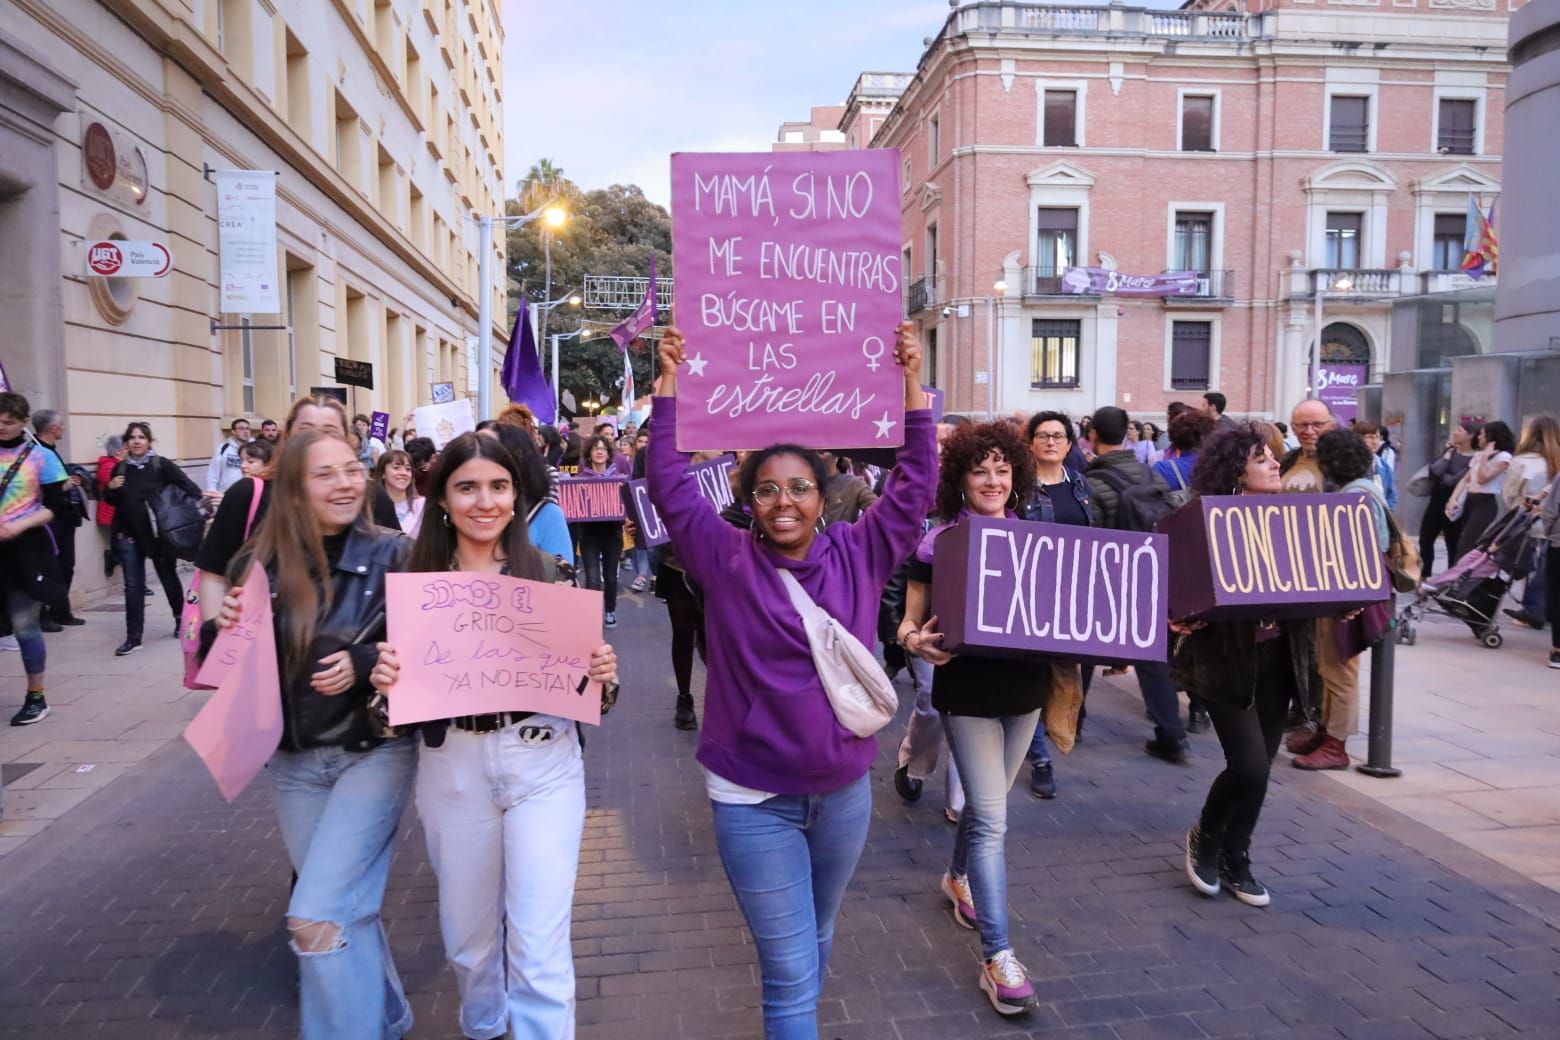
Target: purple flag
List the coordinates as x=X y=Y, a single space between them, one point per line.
x=1099 y=282
x=522 y=373
x=634 y=326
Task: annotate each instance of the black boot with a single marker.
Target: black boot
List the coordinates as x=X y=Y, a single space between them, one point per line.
x=685 y=717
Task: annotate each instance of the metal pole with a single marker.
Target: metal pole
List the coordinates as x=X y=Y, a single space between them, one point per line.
x=485 y=317
x=1316 y=350
x=557 y=401
x=1379 y=756
x=991 y=353
x=547 y=284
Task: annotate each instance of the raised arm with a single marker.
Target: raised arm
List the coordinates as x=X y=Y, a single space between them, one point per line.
x=700 y=536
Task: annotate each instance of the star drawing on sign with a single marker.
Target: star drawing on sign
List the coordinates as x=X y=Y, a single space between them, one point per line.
x=884 y=425
x=696 y=365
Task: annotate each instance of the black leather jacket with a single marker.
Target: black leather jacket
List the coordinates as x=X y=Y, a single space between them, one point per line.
x=357 y=612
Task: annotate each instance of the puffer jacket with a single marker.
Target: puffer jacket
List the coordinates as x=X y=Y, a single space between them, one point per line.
x=1106 y=498
x=1218 y=662
x=357 y=612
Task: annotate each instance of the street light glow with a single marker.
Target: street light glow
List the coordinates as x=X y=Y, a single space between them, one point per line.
x=555 y=216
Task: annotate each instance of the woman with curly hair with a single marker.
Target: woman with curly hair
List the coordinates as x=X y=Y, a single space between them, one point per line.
x=1246 y=672
x=990 y=706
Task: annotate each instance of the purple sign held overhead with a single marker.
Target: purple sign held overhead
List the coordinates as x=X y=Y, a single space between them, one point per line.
x=1339 y=388
x=1000 y=586
x=1097 y=281
x=714 y=481
x=379 y=427
x=790 y=287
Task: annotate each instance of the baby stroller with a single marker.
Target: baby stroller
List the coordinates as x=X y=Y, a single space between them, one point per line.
x=1472 y=589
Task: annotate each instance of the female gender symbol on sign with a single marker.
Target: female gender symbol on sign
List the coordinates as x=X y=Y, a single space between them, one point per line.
x=872 y=358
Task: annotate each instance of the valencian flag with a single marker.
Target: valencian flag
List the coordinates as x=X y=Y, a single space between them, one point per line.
x=522 y=372
x=630 y=329
x=1481 y=250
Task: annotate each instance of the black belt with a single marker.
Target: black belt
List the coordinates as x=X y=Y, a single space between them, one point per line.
x=489 y=723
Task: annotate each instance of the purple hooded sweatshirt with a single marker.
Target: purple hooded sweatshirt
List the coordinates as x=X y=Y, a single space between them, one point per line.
x=768 y=724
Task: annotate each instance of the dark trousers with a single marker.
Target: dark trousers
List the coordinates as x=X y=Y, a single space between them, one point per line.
x=687 y=616
x=1436 y=525
x=1552 y=590
x=133 y=560
x=65 y=542
x=1479 y=511
x=601 y=546
x=1160 y=700
x=1250 y=738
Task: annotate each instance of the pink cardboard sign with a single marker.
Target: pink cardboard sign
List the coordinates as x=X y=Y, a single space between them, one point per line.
x=239 y=728
x=232 y=644
x=474 y=644
x=790 y=285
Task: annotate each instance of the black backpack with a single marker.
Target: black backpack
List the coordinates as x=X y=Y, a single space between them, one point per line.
x=1140 y=505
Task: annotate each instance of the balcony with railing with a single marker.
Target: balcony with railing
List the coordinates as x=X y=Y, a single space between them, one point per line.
x=1450 y=281
x=1358 y=282
x=1040 y=282
x=1453 y=140
x=920 y=294
x=1212 y=287
x=1005 y=16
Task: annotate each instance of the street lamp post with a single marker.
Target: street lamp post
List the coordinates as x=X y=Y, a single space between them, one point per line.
x=998 y=291
x=485 y=225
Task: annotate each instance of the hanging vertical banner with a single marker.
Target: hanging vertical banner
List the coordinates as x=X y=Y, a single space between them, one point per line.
x=246 y=242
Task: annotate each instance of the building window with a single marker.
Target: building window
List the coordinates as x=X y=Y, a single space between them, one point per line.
x=1349 y=124
x=1343 y=241
x=1193 y=242
x=1455 y=130
x=1061 y=119
x=931 y=251
x=1057 y=243
x=904 y=175
x=1446 y=249
x=246 y=347
x=1197 y=123
x=1053 y=354
x=933 y=141
x=929 y=370
x=1191 y=355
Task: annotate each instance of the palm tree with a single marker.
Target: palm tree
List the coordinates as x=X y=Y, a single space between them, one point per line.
x=543 y=181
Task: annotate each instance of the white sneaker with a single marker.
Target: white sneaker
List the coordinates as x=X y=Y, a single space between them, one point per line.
x=10 y=645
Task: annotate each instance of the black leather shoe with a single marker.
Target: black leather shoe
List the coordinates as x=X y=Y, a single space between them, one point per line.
x=685 y=718
x=1172 y=751
x=1198 y=722
x=69 y=619
x=49 y=625
x=909 y=788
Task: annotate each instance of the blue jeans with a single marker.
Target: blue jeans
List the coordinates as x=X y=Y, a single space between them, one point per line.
x=24 y=610
x=639 y=560
x=1039 y=748
x=133 y=560
x=1535 y=591
x=989 y=753
x=1159 y=697
x=338 y=812
x=789 y=859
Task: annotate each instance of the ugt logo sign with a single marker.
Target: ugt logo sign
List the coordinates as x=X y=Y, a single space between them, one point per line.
x=105 y=259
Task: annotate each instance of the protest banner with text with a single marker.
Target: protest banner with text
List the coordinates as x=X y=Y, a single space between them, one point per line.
x=714 y=480
x=1001 y=585
x=591 y=498
x=476 y=644
x=790 y=287
x=1273 y=556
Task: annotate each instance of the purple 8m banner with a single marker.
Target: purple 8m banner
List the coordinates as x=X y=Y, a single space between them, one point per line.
x=1002 y=586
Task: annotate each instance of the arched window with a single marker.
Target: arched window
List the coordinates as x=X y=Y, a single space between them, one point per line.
x=1342 y=343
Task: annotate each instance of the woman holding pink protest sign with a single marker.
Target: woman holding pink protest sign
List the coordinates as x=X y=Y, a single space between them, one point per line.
x=1246 y=673
x=501 y=797
x=788 y=782
x=338 y=782
x=990 y=706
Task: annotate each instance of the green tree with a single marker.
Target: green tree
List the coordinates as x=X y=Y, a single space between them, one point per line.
x=609 y=231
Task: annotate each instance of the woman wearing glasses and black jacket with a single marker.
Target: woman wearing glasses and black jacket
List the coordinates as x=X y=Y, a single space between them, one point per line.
x=788 y=784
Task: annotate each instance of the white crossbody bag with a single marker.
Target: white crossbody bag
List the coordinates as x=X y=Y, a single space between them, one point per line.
x=859 y=691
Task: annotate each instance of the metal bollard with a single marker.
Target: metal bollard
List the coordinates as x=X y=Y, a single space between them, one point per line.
x=1378 y=760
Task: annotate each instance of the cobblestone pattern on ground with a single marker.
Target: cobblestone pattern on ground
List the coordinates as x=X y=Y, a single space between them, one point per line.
x=155 y=910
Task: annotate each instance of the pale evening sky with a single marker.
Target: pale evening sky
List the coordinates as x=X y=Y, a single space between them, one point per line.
x=609 y=89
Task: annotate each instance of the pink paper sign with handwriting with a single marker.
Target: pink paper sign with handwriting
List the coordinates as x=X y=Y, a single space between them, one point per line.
x=232 y=644
x=239 y=728
x=474 y=644
x=789 y=288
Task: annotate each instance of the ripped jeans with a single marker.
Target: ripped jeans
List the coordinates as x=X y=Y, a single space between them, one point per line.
x=338 y=812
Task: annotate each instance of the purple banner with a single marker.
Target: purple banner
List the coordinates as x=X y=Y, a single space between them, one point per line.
x=714 y=480
x=379 y=427
x=1339 y=389
x=1273 y=556
x=1000 y=586
x=1097 y=281
x=591 y=498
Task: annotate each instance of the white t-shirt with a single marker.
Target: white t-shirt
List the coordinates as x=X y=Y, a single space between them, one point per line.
x=722 y=790
x=1493 y=485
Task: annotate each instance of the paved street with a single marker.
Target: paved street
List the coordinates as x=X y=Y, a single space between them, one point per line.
x=135 y=903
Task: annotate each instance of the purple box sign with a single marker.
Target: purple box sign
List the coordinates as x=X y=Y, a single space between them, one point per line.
x=591 y=498
x=789 y=276
x=1273 y=556
x=714 y=480
x=1001 y=586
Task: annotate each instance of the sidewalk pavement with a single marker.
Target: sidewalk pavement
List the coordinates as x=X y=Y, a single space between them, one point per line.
x=151 y=908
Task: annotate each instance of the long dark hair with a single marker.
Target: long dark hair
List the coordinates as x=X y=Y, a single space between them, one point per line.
x=293 y=546
x=534 y=481
x=436 y=539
